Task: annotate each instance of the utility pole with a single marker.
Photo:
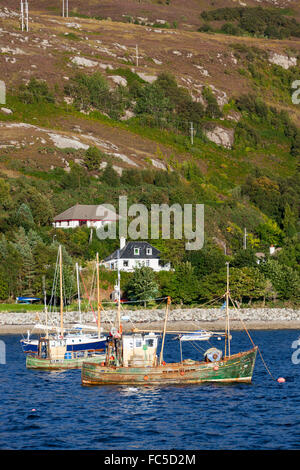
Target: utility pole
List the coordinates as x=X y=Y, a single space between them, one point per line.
x=192 y=133
x=65 y=8
x=24 y=15
x=137 y=55
x=245 y=239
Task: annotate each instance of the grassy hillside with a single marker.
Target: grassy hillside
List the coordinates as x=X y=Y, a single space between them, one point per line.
x=90 y=121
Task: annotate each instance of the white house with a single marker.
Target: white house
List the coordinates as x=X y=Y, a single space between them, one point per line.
x=80 y=215
x=135 y=254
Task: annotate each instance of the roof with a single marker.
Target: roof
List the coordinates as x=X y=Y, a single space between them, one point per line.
x=86 y=212
x=128 y=252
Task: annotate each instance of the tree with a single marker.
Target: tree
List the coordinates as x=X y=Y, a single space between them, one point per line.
x=142 y=285
x=24 y=217
x=247 y=282
x=285 y=280
x=93 y=157
x=184 y=285
x=3 y=285
x=110 y=176
x=209 y=259
x=244 y=258
x=212 y=286
x=40 y=205
x=153 y=101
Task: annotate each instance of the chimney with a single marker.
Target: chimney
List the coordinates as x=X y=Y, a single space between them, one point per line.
x=122 y=242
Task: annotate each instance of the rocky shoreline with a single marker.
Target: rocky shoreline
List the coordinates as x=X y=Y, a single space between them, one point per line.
x=179 y=319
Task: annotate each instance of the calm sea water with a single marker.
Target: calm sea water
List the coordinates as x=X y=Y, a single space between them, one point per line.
x=263 y=415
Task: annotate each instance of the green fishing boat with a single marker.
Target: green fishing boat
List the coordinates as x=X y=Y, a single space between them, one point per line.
x=53 y=350
x=68 y=361
x=132 y=359
x=236 y=368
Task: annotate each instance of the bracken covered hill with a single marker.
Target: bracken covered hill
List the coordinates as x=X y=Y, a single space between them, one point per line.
x=135 y=98
x=55 y=49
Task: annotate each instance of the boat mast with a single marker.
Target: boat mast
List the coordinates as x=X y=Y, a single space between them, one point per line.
x=98 y=294
x=45 y=305
x=61 y=294
x=119 y=294
x=227 y=329
x=164 y=333
x=78 y=293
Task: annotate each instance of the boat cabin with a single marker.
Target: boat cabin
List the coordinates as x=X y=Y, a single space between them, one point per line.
x=52 y=349
x=139 y=350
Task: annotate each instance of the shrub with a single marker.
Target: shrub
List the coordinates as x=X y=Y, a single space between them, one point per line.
x=36 y=91
x=93 y=157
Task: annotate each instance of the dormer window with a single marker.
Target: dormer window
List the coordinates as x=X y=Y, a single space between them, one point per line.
x=149 y=251
x=136 y=251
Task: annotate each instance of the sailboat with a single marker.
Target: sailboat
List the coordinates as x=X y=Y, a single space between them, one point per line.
x=65 y=349
x=132 y=359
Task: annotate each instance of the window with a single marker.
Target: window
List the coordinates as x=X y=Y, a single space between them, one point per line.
x=125 y=264
x=136 y=251
x=149 y=251
x=138 y=343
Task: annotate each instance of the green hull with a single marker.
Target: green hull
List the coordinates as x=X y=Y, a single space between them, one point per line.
x=236 y=368
x=34 y=362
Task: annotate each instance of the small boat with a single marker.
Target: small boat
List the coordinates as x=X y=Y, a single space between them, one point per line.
x=132 y=359
x=65 y=349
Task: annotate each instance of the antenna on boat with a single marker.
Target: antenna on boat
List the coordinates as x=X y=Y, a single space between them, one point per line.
x=98 y=294
x=78 y=292
x=164 y=333
x=61 y=294
x=227 y=328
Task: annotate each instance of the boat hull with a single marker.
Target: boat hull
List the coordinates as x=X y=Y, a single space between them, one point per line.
x=34 y=362
x=236 y=368
x=31 y=346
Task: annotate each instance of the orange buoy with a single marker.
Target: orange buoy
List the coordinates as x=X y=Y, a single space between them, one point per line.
x=163 y=363
x=216 y=368
x=102 y=364
x=281 y=380
x=182 y=372
x=146 y=377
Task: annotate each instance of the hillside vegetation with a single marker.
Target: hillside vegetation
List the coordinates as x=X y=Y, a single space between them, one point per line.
x=89 y=117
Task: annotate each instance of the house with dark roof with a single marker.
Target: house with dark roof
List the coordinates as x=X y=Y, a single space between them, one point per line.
x=133 y=255
x=88 y=215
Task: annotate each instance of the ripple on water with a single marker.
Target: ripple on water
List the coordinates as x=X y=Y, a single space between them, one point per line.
x=264 y=415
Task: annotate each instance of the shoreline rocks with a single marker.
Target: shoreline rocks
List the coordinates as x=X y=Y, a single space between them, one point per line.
x=268 y=315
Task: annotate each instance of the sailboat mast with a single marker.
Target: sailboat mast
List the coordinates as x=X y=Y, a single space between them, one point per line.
x=98 y=295
x=164 y=333
x=61 y=293
x=78 y=293
x=227 y=330
x=45 y=305
x=119 y=293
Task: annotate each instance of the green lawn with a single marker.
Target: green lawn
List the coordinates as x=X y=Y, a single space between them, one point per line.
x=22 y=308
